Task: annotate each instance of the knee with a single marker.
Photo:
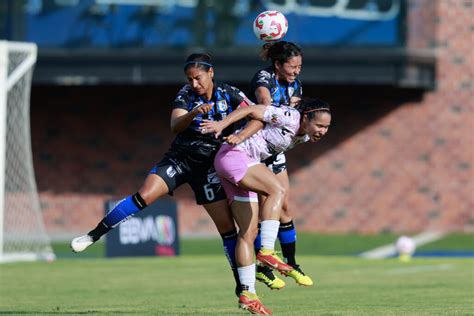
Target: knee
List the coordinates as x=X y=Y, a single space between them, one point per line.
x=249 y=235
x=280 y=192
x=224 y=225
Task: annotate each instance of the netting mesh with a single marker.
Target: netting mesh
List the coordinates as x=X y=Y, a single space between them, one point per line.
x=24 y=231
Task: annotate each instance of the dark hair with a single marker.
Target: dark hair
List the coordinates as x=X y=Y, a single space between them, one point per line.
x=279 y=51
x=312 y=106
x=198 y=60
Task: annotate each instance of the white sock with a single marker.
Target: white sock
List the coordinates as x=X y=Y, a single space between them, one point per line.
x=247 y=277
x=269 y=233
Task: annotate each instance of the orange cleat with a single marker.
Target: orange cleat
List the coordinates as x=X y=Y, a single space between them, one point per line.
x=250 y=302
x=271 y=260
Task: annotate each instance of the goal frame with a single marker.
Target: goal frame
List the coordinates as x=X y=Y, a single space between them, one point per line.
x=7 y=82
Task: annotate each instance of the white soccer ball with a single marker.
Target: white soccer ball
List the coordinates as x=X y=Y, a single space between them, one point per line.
x=270 y=26
x=405 y=245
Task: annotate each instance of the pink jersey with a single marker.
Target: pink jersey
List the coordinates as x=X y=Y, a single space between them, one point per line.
x=278 y=135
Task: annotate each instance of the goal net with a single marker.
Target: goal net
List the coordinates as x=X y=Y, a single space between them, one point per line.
x=22 y=232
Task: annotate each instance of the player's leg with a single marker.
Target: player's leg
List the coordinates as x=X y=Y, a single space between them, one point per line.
x=264 y=274
x=246 y=217
x=287 y=235
x=210 y=194
x=158 y=183
x=221 y=216
x=259 y=179
x=231 y=165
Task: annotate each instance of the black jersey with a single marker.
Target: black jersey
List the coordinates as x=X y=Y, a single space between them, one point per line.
x=191 y=142
x=281 y=93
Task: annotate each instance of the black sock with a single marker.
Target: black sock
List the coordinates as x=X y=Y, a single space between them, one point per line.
x=99 y=231
x=288 y=251
x=287 y=236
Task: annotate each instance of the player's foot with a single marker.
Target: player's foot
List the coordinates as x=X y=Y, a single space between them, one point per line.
x=271 y=260
x=300 y=277
x=250 y=302
x=265 y=275
x=80 y=244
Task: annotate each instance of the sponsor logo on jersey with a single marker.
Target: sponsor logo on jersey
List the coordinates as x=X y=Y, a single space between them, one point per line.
x=222 y=105
x=171 y=172
x=291 y=90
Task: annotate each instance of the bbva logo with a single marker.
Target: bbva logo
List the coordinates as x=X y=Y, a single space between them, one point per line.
x=160 y=229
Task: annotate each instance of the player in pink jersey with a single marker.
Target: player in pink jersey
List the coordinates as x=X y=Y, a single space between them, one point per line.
x=242 y=174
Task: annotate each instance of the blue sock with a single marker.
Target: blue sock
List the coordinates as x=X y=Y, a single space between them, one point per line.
x=257 y=244
x=229 y=240
x=287 y=237
x=125 y=209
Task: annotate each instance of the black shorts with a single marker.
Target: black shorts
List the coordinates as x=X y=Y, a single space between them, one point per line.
x=276 y=163
x=175 y=170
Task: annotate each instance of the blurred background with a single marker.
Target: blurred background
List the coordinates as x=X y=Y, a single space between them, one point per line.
x=398 y=74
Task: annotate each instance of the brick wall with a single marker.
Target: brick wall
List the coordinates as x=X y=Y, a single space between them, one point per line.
x=394 y=160
x=411 y=170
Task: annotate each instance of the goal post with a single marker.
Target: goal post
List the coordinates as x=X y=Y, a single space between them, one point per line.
x=22 y=232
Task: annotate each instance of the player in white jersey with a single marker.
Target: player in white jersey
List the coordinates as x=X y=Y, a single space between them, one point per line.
x=242 y=174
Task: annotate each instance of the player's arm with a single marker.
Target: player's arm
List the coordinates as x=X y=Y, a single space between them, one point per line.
x=254 y=111
x=181 y=118
x=253 y=126
x=263 y=95
x=294 y=101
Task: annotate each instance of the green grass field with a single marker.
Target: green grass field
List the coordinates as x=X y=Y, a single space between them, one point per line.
x=202 y=285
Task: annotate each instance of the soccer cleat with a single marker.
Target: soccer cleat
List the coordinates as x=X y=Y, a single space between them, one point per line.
x=265 y=275
x=80 y=244
x=271 y=260
x=250 y=302
x=299 y=276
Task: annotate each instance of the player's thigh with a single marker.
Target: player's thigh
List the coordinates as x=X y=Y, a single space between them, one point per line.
x=164 y=177
x=153 y=188
x=261 y=180
x=221 y=215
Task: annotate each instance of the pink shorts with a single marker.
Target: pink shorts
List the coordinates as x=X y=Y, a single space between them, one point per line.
x=231 y=166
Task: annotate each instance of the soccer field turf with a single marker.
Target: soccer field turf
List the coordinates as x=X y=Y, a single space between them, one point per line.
x=203 y=285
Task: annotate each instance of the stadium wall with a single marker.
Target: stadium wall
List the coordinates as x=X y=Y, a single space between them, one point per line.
x=395 y=159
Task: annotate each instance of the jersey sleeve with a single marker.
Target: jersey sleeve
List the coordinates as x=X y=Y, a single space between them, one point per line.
x=182 y=98
x=237 y=98
x=283 y=116
x=261 y=79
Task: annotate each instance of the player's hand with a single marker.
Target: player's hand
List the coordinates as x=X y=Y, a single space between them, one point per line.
x=203 y=108
x=208 y=127
x=234 y=139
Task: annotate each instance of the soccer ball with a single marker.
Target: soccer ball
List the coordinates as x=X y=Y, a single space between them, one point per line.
x=405 y=246
x=270 y=26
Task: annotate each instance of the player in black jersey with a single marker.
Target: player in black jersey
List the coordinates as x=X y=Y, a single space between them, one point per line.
x=278 y=85
x=190 y=158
